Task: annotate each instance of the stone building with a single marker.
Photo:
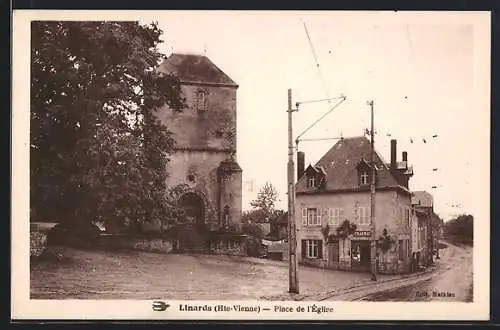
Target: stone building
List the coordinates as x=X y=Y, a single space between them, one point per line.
x=204 y=156
x=335 y=193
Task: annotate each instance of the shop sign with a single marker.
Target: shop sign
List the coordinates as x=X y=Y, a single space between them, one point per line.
x=362 y=233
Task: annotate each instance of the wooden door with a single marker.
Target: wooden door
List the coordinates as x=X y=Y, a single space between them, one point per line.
x=333 y=254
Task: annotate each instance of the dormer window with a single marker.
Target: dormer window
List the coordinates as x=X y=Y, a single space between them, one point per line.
x=311 y=182
x=315 y=177
x=200 y=101
x=364 y=178
x=364 y=175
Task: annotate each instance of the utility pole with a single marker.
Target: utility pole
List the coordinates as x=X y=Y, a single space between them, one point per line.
x=292 y=241
x=372 y=198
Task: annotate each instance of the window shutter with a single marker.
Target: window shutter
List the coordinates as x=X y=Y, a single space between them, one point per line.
x=341 y=215
x=304 y=248
x=330 y=216
x=304 y=216
x=320 y=249
x=319 y=215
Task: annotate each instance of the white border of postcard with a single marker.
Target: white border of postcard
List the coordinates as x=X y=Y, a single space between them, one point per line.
x=24 y=308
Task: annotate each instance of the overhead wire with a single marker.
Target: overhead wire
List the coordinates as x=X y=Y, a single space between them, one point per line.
x=316 y=61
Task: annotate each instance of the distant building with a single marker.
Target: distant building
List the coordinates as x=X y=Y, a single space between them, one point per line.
x=279 y=227
x=426 y=229
x=204 y=155
x=336 y=189
x=278 y=251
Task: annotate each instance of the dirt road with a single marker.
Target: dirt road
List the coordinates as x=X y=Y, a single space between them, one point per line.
x=450 y=280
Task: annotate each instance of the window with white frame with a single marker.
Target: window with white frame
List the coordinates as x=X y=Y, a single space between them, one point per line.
x=334 y=216
x=364 y=178
x=313 y=248
x=313 y=217
x=311 y=182
x=200 y=101
x=364 y=215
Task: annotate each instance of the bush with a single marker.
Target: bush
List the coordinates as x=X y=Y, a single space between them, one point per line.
x=252 y=229
x=73 y=234
x=38 y=243
x=253 y=247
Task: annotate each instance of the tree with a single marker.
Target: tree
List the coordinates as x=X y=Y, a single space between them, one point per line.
x=252 y=216
x=386 y=241
x=97 y=149
x=266 y=200
x=461 y=229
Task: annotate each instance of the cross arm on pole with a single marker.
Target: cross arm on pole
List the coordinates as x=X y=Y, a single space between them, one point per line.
x=342 y=99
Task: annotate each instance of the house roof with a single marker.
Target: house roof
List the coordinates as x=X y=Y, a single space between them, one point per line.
x=195 y=69
x=422 y=199
x=341 y=166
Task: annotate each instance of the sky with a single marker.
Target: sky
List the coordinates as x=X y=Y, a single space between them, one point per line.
x=421 y=71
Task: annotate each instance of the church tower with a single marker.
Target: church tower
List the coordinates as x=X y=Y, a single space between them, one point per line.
x=204 y=156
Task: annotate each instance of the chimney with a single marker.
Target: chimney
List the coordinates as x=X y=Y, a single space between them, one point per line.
x=301 y=156
x=393 y=154
x=405 y=156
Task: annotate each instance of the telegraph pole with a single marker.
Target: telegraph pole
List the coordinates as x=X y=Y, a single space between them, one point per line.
x=292 y=241
x=372 y=197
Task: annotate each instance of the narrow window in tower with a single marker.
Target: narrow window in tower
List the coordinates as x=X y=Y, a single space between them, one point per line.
x=200 y=101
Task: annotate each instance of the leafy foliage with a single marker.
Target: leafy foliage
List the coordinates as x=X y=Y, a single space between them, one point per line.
x=266 y=200
x=260 y=216
x=98 y=152
x=252 y=229
x=326 y=231
x=385 y=242
x=346 y=229
x=461 y=229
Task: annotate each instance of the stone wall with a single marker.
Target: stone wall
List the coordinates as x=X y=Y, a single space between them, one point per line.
x=161 y=245
x=235 y=248
x=203 y=139
x=203 y=166
x=212 y=128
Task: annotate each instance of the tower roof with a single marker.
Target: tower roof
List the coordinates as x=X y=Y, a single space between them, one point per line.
x=195 y=69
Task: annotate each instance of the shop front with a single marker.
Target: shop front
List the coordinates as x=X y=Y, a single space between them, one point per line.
x=360 y=250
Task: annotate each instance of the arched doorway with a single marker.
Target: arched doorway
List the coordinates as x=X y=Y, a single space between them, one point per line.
x=194 y=210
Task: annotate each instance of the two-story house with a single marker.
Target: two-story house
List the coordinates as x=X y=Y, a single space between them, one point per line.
x=204 y=157
x=336 y=189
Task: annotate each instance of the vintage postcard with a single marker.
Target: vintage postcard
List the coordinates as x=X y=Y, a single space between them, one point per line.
x=265 y=165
